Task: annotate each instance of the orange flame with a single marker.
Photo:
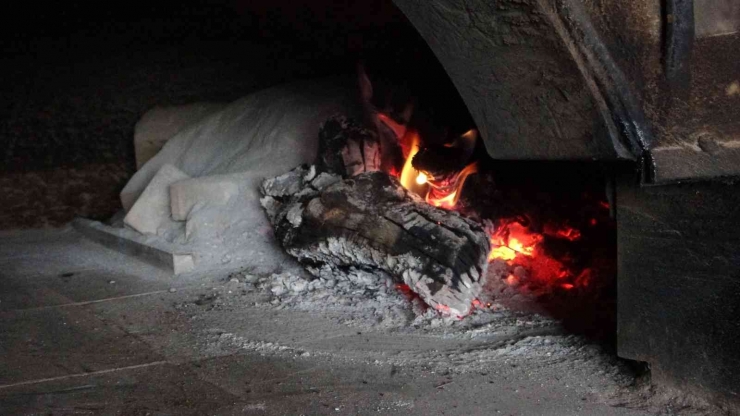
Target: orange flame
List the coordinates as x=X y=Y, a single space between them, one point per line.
x=408 y=173
x=502 y=252
x=511 y=242
x=443 y=194
x=446 y=196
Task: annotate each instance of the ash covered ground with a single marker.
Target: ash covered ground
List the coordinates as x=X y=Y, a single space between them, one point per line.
x=393 y=327
x=87 y=330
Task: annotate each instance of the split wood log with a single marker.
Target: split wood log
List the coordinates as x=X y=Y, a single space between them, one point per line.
x=370 y=222
x=446 y=161
x=346 y=148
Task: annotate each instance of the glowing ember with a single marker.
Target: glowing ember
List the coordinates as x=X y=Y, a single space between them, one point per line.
x=409 y=294
x=532 y=264
x=570 y=234
x=564 y=232
x=502 y=253
x=519 y=247
x=512 y=239
x=443 y=308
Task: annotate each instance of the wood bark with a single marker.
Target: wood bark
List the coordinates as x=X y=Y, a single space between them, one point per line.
x=346 y=148
x=369 y=222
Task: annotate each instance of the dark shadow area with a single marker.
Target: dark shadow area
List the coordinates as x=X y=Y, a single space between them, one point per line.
x=563 y=216
x=78 y=76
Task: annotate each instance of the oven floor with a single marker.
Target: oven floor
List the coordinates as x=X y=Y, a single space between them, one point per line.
x=84 y=330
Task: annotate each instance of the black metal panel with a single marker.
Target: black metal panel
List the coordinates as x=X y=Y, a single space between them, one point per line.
x=701 y=121
x=679 y=284
x=679 y=34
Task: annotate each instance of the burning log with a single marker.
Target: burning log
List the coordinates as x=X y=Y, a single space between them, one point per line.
x=440 y=171
x=446 y=160
x=369 y=222
x=346 y=148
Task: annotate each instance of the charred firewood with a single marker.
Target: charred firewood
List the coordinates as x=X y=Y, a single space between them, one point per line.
x=438 y=162
x=369 y=222
x=444 y=161
x=346 y=148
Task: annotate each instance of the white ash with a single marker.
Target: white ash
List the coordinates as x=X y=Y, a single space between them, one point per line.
x=491 y=340
x=368 y=300
x=373 y=301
